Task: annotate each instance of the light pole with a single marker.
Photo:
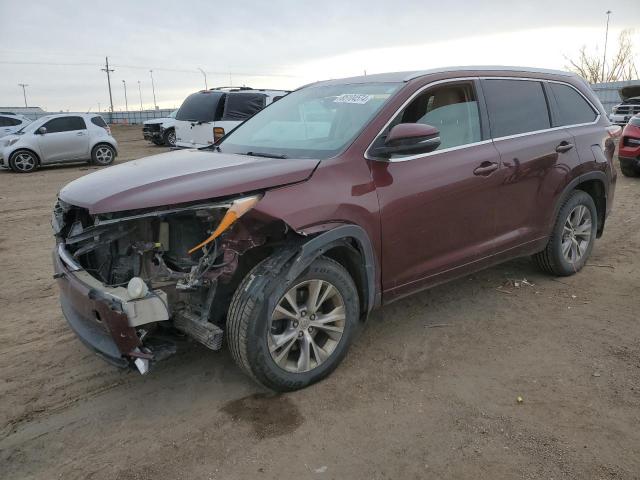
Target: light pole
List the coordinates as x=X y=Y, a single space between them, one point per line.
x=140 y=93
x=126 y=102
x=24 y=92
x=153 y=87
x=206 y=87
x=606 y=37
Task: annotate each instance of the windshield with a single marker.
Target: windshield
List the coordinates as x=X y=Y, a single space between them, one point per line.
x=173 y=114
x=32 y=127
x=313 y=122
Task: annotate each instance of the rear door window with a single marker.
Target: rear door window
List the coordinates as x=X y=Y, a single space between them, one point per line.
x=201 y=107
x=65 y=124
x=241 y=105
x=515 y=106
x=573 y=109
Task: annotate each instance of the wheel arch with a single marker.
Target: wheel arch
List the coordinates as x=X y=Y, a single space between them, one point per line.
x=596 y=185
x=350 y=246
x=25 y=149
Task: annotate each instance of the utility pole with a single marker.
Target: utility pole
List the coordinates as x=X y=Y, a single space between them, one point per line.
x=24 y=92
x=153 y=87
x=606 y=37
x=126 y=102
x=206 y=87
x=140 y=93
x=106 y=69
x=99 y=108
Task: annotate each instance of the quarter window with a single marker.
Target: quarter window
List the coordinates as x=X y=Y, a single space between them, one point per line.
x=452 y=109
x=65 y=124
x=515 y=106
x=99 y=121
x=573 y=109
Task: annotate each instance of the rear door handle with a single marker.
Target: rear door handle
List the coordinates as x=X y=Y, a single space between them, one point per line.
x=564 y=147
x=485 y=168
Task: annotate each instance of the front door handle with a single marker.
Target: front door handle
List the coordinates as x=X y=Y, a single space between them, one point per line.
x=80 y=134
x=564 y=147
x=485 y=168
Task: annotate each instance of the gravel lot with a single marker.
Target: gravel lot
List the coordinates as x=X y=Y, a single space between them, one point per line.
x=429 y=389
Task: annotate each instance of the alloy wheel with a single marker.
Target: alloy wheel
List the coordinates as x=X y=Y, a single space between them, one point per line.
x=306 y=326
x=104 y=155
x=172 y=138
x=576 y=235
x=24 y=162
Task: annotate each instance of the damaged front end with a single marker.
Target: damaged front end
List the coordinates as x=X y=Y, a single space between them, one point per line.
x=133 y=283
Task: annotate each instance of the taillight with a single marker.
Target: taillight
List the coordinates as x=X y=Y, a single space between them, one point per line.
x=218 y=133
x=108 y=129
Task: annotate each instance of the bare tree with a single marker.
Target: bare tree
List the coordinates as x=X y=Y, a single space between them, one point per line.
x=621 y=65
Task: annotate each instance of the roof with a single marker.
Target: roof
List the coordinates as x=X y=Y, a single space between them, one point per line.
x=410 y=75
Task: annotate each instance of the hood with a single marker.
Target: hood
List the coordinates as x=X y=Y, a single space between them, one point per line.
x=181 y=176
x=629 y=92
x=156 y=120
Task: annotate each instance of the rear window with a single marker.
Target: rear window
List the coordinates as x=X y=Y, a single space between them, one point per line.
x=201 y=107
x=573 y=109
x=515 y=106
x=99 y=121
x=242 y=105
x=9 y=122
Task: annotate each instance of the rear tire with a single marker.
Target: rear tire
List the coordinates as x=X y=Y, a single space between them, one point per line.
x=169 y=137
x=103 y=154
x=23 y=161
x=572 y=238
x=292 y=350
x=629 y=169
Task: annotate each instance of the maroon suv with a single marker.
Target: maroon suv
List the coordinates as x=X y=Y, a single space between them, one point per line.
x=341 y=197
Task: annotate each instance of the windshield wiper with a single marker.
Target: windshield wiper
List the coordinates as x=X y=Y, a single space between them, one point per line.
x=266 y=155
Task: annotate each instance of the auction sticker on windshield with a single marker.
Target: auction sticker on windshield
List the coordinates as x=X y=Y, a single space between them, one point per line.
x=358 y=98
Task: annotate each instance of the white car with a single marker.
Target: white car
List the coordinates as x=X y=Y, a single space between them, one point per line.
x=11 y=123
x=630 y=106
x=206 y=116
x=161 y=131
x=57 y=139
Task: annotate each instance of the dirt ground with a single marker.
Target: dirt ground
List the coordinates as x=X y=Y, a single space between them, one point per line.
x=429 y=389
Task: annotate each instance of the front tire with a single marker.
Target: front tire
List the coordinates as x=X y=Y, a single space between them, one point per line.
x=289 y=336
x=572 y=238
x=103 y=155
x=169 y=137
x=23 y=161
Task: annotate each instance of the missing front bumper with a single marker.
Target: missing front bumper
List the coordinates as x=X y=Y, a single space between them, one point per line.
x=105 y=318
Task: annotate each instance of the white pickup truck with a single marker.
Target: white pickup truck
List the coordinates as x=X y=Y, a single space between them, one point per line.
x=206 y=116
x=161 y=131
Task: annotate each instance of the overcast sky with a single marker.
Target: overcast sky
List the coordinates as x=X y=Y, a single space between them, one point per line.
x=59 y=47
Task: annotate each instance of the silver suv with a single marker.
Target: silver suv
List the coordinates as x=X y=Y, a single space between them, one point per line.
x=58 y=139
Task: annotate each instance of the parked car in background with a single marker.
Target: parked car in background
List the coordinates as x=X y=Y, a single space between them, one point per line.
x=57 y=139
x=343 y=196
x=161 y=131
x=630 y=106
x=206 y=116
x=629 y=148
x=11 y=123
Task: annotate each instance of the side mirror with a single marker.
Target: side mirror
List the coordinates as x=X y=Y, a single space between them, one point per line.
x=409 y=139
x=42 y=130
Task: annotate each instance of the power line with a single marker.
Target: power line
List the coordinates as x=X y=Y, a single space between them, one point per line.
x=161 y=69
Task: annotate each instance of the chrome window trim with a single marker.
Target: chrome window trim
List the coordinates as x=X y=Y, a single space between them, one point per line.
x=482 y=142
